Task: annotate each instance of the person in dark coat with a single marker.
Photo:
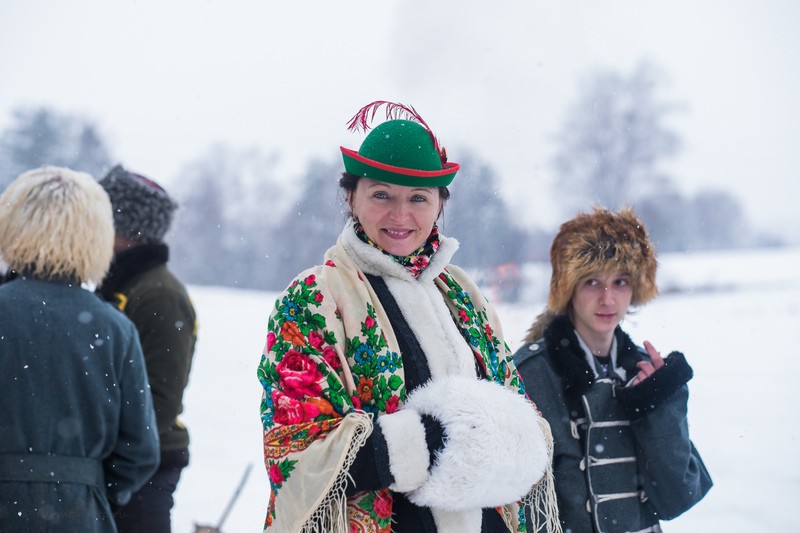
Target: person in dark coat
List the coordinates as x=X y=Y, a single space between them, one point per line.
x=77 y=425
x=623 y=460
x=141 y=285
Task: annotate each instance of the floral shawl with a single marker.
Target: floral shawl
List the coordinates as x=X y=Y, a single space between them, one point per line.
x=330 y=365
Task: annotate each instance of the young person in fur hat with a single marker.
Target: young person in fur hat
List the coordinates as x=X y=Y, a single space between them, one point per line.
x=141 y=285
x=390 y=400
x=623 y=459
x=77 y=428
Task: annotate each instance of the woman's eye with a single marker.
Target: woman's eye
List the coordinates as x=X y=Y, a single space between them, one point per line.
x=622 y=282
x=418 y=198
x=380 y=195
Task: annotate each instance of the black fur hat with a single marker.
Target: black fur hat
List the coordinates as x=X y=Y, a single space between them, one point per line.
x=142 y=208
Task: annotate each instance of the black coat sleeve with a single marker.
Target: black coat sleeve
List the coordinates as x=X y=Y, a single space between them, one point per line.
x=370 y=470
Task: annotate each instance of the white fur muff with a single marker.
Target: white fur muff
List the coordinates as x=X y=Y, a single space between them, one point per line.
x=495 y=450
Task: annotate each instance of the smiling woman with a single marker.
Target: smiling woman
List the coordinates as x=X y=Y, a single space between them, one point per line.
x=409 y=415
x=397 y=219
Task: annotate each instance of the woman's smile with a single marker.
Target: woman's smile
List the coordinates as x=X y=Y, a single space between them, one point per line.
x=397 y=218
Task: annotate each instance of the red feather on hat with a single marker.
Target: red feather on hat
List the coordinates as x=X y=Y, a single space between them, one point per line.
x=394 y=111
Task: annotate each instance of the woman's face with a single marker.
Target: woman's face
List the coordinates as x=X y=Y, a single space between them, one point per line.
x=397 y=218
x=599 y=303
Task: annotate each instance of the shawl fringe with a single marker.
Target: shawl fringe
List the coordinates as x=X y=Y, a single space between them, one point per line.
x=331 y=512
x=542 y=498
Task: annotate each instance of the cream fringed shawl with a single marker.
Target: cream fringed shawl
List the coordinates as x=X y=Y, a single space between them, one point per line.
x=330 y=365
x=317 y=503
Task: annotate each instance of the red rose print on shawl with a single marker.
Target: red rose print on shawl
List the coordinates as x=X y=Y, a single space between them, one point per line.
x=275 y=474
x=383 y=506
x=291 y=411
x=299 y=375
x=331 y=357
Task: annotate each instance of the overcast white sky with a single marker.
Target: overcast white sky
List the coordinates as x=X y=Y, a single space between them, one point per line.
x=166 y=79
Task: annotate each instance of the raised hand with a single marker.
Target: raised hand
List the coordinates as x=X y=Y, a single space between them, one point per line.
x=646 y=368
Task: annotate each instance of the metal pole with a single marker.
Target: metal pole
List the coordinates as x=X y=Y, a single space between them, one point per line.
x=234 y=497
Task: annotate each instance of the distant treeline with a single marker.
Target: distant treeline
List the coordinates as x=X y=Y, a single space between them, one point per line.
x=241 y=225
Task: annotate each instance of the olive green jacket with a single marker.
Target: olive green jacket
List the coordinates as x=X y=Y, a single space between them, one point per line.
x=141 y=286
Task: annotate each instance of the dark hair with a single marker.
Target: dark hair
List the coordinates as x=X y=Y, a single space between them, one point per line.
x=348 y=183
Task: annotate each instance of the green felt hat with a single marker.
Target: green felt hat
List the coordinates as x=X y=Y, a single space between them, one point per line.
x=398 y=151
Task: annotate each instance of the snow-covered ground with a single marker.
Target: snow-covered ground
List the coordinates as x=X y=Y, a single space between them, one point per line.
x=734 y=315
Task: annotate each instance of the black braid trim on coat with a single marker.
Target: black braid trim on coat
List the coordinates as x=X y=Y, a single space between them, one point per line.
x=646 y=396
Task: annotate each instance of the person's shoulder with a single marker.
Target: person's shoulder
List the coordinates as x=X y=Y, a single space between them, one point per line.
x=530 y=351
x=318 y=277
x=460 y=276
x=6 y=284
x=456 y=271
x=99 y=311
x=311 y=294
x=464 y=280
x=173 y=283
x=157 y=285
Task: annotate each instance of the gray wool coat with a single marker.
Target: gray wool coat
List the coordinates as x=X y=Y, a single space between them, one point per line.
x=77 y=425
x=623 y=460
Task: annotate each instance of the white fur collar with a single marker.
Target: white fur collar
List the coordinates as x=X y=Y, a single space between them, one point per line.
x=372 y=261
x=420 y=302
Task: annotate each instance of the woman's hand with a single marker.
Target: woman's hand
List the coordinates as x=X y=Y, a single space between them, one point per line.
x=646 y=368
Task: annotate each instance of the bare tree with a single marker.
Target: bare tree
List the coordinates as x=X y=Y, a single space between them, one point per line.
x=709 y=220
x=229 y=204
x=479 y=217
x=41 y=136
x=719 y=222
x=493 y=244
x=310 y=226
x=612 y=141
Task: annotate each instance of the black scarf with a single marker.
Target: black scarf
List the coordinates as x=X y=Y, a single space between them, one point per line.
x=569 y=359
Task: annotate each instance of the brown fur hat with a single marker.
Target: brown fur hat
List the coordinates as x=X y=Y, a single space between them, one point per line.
x=600 y=241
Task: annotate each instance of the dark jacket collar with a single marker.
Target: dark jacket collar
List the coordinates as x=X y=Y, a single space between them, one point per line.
x=130 y=263
x=568 y=358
